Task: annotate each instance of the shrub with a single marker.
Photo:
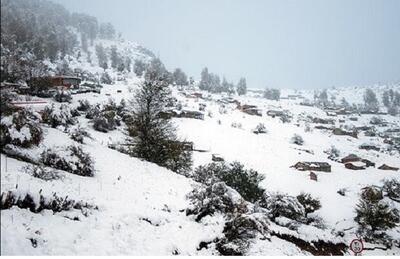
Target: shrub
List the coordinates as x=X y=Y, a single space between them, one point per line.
x=285 y=118
x=333 y=153
x=392 y=189
x=83 y=106
x=106 y=120
x=6 y=96
x=63 y=96
x=106 y=79
x=37 y=204
x=245 y=181
x=78 y=134
x=282 y=205
x=180 y=158
x=217 y=197
x=93 y=112
x=46 y=174
x=58 y=116
x=240 y=231
x=371 y=194
x=260 y=128
x=22 y=129
x=297 y=139
x=309 y=203
x=376 y=120
x=72 y=159
x=236 y=125
x=375 y=216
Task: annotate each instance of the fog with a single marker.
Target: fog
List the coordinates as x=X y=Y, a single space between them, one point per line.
x=283 y=44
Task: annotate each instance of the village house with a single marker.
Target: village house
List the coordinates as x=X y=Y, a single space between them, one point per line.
x=191 y=115
x=341 y=132
x=275 y=113
x=313 y=166
x=355 y=162
x=250 y=109
x=350 y=158
x=68 y=82
x=322 y=121
x=386 y=167
x=216 y=158
x=353 y=166
x=369 y=147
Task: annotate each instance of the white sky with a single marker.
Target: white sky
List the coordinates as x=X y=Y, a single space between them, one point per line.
x=283 y=43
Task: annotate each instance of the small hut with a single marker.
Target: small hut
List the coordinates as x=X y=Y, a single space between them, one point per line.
x=386 y=167
x=313 y=166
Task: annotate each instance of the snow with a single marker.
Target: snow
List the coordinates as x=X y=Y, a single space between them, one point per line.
x=141 y=206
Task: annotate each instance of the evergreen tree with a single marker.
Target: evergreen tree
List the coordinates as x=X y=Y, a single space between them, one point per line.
x=115 y=62
x=153 y=135
x=370 y=101
x=205 y=83
x=241 y=87
x=102 y=56
x=139 y=67
x=180 y=77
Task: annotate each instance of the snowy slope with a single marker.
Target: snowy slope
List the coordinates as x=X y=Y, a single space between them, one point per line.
x=141 y=206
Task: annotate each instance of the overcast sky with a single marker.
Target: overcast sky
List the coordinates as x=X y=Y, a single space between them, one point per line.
x=282 y=43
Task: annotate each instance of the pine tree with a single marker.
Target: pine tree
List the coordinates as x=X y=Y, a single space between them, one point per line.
x=205 y=80
x=153 y=135
x=241 y=87
x=102 y=56
x=139 y=67
x=370 y=100
x=114 y=57
x=180 y=77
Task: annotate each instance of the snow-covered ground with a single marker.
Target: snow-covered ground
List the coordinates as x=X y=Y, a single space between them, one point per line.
x=141 y=206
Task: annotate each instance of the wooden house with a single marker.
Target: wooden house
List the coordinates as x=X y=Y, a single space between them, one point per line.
x=313 y=166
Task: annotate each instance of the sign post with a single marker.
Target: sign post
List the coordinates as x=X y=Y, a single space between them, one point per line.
x=356 y=246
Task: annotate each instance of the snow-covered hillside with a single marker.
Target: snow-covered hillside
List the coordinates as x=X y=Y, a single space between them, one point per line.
x=139 y=208
x=70 y=186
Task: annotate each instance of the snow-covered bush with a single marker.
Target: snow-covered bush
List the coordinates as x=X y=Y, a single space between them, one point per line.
x=37 y=202
x=58 y=116
x=376 y=120
x=6 y=96
x=375 y=217
x=297 y=139
x=84 y=105
x=260 y=129
x=46 y=174
x=71 y=159
x=285 y=118
x=372 y=194
x=282 y=205
x=106 y=79
x=240 y=231
x=22 y=129
x=309 y=203
x=333 y=153
x=217 y=197
x=236 y=125
x=63 y=96
x=78 y=134
x=244 y=181
x=106 y=120
x=391 y=189
x=179 y=158
x=93 y=111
